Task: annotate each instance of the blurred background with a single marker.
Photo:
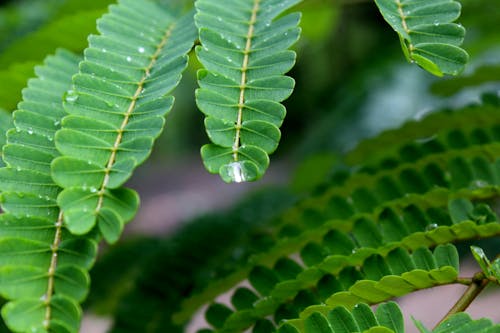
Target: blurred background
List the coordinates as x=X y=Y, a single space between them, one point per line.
x=352 y=82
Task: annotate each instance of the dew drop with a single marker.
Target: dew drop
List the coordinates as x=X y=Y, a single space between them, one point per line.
x=56 y=123
x=141 y=49
x=129 y=58
x=235 y=172
x=219 y=18
x=30 y=131
x=229 y=59
x=431 y=226
x=104 y=50
x=71 y=96
x=93 y=189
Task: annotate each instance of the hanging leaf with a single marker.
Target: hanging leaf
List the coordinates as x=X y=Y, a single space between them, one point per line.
x=427 y=34
x=43 y=268
x=116 y=110
x=244 y=52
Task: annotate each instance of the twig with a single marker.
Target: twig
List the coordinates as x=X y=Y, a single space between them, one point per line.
x=477 y=285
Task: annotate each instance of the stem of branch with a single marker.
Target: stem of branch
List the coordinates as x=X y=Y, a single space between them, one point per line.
x=479 y=282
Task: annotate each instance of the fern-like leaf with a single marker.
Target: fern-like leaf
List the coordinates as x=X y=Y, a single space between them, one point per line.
x=461 y=323
x=379 y=279
x=386 y=319
x=43 y=268
x=116 y=109
x=428 y=36
x=244 y=50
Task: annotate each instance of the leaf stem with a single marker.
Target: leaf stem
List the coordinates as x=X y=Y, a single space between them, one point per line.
x=243 y=81
x=477 y=285
x=52 y=271
x=128 y=114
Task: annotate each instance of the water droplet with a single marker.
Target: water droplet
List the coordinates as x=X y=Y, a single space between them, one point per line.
x=56 y=123
x=93 y=189
x=71 y=96
x=104 y=50
x=129 y=58
x=30 y=130
x=219 y=18
x=18 y=168
x=43 y=297
x=480 y=183
x=431 y=226
x=229 y=59
x=141 y=49
x=235 y=172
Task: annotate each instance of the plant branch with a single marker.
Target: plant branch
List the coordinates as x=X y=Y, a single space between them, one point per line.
x=477 y=285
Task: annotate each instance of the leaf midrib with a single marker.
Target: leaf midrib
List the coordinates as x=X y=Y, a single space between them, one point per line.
x=126 y=118
x=243 y=81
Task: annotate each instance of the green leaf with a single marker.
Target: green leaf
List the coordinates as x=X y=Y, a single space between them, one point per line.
x=116 y=110
x=29 y=315
x=44 y=268
x=461 y=323
x=390 y=316
x=317 y=323
x=388 y=319
x=481 y=259
x=428 y=36
x=244 y=52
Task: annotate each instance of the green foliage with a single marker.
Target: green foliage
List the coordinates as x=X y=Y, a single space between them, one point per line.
x=462 y=323
x=43 y=267
x=116 y=109
x=428 y=36
x=362 y=228
x=244 y=52
x=386 y=319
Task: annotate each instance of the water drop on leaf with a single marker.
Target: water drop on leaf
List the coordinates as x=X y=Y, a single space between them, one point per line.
x=71 y=96
x=431 y=226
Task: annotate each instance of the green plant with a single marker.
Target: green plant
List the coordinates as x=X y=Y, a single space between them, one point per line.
x=379 y=222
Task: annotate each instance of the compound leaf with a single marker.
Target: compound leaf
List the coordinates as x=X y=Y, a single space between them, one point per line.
x=116 y=109
x=244 y=52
